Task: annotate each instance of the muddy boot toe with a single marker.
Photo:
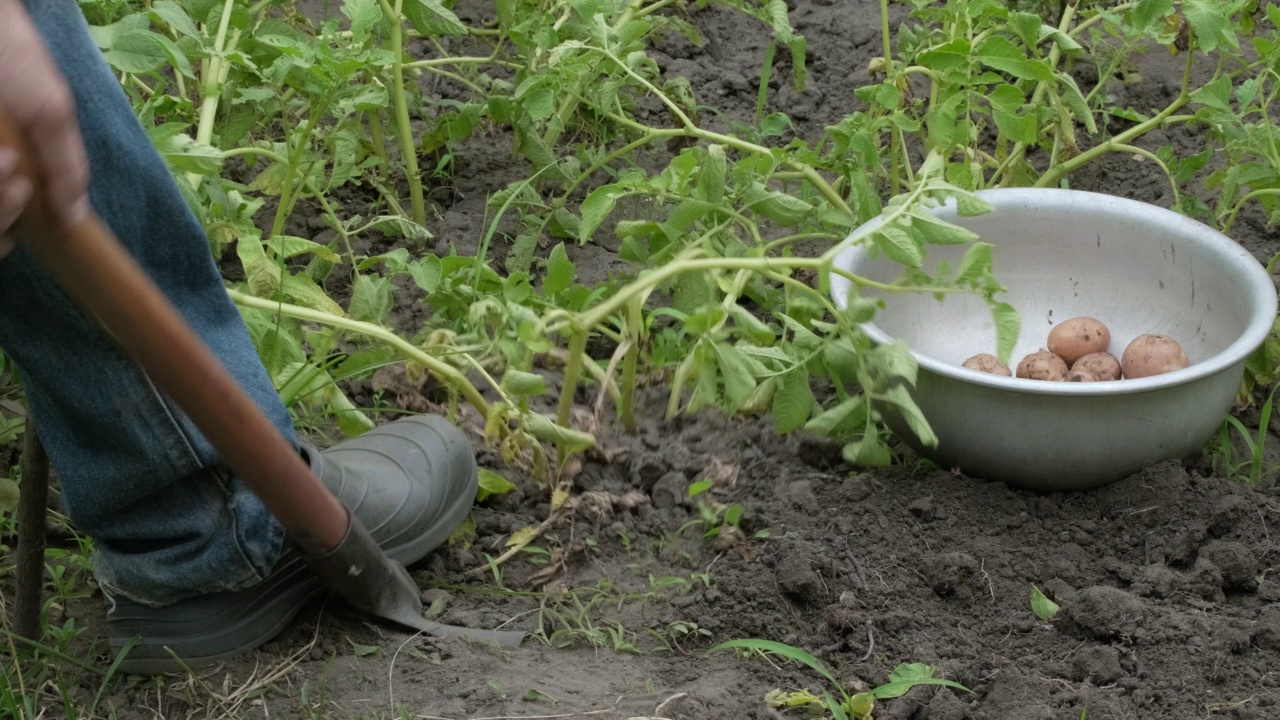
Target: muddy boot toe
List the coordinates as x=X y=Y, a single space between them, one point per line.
x=410 y=482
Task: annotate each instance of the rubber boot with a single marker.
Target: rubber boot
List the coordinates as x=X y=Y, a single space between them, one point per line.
x=411 y=483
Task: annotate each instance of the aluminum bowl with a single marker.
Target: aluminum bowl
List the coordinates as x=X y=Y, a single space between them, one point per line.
x=1062 y=254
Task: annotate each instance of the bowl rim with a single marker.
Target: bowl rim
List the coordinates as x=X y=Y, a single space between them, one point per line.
x=1252 y=274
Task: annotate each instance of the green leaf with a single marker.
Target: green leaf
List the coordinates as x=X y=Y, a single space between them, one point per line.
x=8 y=495
x=1008 y=328
x=697 y=488
x=1149 y=11
x=365 y=16
x=397 y=226
x=908 y=675
x=560 y=271
x=1075 y=100
x=783 y=209
x=426 y=273
x=523 y=384
x=975 y=266
x=711 y=179
x=1006 y=100
x=362 y=650
x=539 y=102
x=894 y=360
x=262 y=275
x=595 y=208
x=137 y=52
x=371 y=298
x=938 y=232
x=947 y=56
x=176 y=17
x=970 y=205
x=999 y=53
x=738 y=380
x=870 y=451
x=182 y=153
x=900 y=396
x=835 y=420
x=544 y=429
x=786 y=651
x=287 y=246
x=733 y=516
x=899 y=245
x=1216 y=94
x=491 y=483
x=1211 y=24
x=1043 y=607
x=793 y=401
x=431 y=18
x=304 y=291
x=751 y=326
x=1027 y=26
x=693 y=290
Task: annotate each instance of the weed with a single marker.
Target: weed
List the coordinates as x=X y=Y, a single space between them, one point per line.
x=858 y=706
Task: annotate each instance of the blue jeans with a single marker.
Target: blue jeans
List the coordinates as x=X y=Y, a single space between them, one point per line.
x=167 y=519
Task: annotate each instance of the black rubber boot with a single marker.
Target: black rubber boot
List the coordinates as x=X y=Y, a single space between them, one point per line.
x=411 y=483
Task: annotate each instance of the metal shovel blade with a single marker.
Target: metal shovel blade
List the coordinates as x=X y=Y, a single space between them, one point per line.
x=372 y=582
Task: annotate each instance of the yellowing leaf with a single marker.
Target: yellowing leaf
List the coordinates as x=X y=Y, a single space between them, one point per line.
x=522 y=537
x=559 y=497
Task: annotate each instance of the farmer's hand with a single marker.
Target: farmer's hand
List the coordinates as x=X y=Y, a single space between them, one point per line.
x=35 y=97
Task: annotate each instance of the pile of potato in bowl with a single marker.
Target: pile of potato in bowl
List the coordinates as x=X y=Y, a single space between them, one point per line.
x=1078 y=350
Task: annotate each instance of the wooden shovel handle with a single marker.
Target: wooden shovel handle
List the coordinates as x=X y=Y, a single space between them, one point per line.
x=91 y=265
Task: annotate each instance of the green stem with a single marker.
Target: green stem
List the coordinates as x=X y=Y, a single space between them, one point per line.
x=895 y=135
x=635 y=328
x=379 y=142
x=1231 y=219
x=1055 y=53
x=211 y=90
x=449 y=374
x=1050 y=178
x=437 y=62
x=569 y=388
x=310 y=187
x=287 y=198
x=404 y=130
x=1096 y=18
x=654 y=7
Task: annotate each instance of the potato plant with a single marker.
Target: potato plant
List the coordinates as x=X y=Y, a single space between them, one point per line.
x=259 y=109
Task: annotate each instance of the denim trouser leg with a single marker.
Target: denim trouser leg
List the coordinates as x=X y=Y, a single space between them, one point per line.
x=137 y=476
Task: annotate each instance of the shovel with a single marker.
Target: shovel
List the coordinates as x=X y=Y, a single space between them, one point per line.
x=90 y=264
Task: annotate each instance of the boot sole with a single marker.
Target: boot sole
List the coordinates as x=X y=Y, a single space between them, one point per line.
x=250 y=623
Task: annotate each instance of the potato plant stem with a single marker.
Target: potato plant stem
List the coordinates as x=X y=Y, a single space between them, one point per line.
x=895 y=135
x=635 y=331
x=449 y=374
x=1231 y=219
x=379 y=142
x=1055 y=53
x=211 y=88
x=1050 y=178
x=572 y=371
x=404 y=130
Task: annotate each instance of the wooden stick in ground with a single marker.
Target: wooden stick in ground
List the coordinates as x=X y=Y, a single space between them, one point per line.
x=91 y=265
x=33 y=501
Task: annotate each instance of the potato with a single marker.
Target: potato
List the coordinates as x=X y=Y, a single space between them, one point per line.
x=1043 y=365
x=986 y=363
x=1081 y=376
x=1102 y=366
x=1152 y=354
x=1073 y=339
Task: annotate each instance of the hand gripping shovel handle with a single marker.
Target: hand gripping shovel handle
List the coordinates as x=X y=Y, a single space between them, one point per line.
x=91 y=265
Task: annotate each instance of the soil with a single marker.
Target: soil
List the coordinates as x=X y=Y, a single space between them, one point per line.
x=1168 y=606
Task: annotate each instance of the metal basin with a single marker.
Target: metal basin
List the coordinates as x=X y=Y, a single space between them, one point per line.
x=1062 y=254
